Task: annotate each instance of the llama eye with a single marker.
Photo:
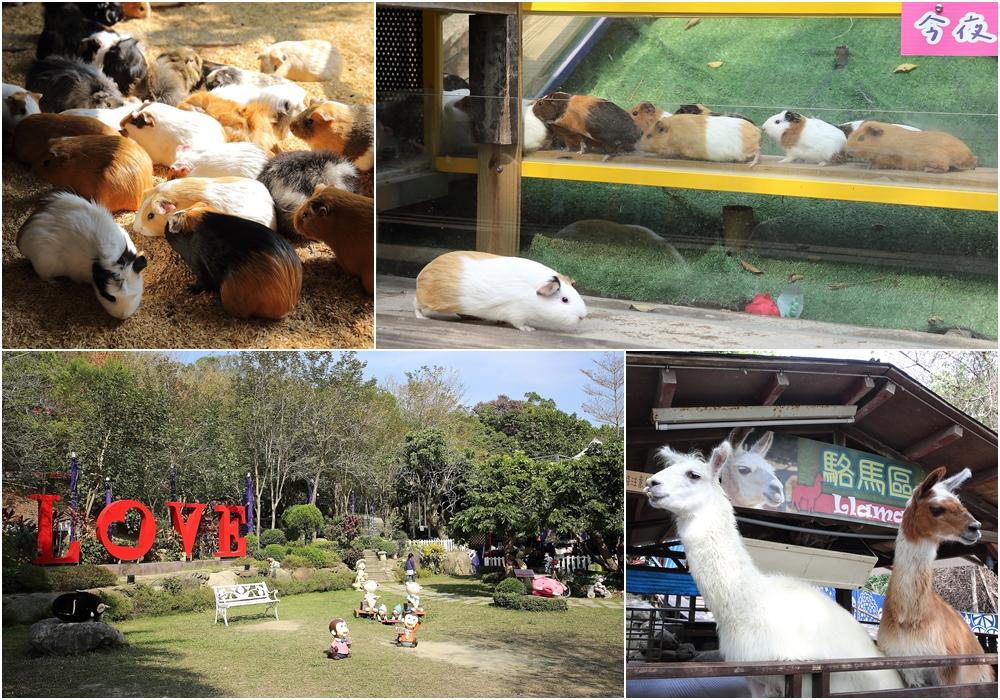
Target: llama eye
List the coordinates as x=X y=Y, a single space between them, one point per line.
x=937 y=511
x=743 y=470
x=693 y=476
x=565 y=300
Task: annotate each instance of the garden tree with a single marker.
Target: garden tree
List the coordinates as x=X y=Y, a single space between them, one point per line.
x=302 y=519
x=967 y=379
x=606 y=390
x=429 y=398
x=432 y=478
x=533 y=425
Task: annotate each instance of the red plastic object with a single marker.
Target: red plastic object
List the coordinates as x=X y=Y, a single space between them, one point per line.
x=547 y=587
x=762 y=305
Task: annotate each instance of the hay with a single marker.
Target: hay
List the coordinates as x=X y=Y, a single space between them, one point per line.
x=333 y=312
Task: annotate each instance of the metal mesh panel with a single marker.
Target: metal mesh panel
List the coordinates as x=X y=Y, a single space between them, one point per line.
x=399 y=50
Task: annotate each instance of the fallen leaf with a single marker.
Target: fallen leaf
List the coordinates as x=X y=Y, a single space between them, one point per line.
x=905 y=67
x=641 y=307
x=750 y=268
x=691 y=22
x=795 y=277
x=715 y=64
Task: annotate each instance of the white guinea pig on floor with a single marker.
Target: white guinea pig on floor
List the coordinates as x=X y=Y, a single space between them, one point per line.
x=69 y=236
x=309 y=60
x=238 y=159
x=18 y=103
x=160 y=129
x=111 y=117
x=237 y=196
x=518 y=291
x=806 y=139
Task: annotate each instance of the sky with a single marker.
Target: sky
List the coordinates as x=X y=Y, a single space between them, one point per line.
x=553 y=374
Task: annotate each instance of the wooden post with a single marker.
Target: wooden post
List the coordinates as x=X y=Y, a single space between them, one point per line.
x=495 y=91
x=737 y=227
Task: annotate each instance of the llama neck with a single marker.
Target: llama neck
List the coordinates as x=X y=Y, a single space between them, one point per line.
x=719 y=562
x=911 y=584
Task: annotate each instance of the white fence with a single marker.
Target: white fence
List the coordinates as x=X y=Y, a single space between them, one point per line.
x=567 y=564
x=449 y=545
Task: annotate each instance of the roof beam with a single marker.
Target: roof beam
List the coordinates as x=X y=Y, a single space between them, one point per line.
x=775 y=388
x=871 y=443
x=668 y=385
x=883 y=395
x=935 y=442
x=858 y=390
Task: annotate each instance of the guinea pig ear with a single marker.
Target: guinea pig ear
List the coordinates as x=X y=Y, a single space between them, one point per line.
x=162 y=206
x=793 y=117
x=140 y=262
x=36 y=95
x=318 y=188
x=549 y=288
x=875 y=130
x=324 y=116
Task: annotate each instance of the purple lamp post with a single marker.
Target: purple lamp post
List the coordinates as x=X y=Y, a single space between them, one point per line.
x=107 y=498
x=74 y=474
x=249 y=503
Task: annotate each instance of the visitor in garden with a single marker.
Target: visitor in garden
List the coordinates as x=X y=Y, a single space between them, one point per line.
x=411 y=569
x=474 y=560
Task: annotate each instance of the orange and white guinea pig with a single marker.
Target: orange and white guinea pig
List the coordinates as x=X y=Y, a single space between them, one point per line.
x=346 y=222
x=344 y=129
x=309 y=60
x=239 y=196
x=700 y=137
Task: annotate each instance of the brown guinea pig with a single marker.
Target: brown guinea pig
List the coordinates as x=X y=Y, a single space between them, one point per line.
x=346 y=222
x=891 y=146
x=251 y=122
x=583 y=122
x=645 y=114
x=344 y=129
x=136 y=10
x=112 y=170
x=33 y=133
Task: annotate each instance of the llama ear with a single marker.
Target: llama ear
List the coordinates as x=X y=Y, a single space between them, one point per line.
x=953 y=482
x=667 y=456
x=925 y=487
x=734 y=438
x=763 y=443
x=720 y=455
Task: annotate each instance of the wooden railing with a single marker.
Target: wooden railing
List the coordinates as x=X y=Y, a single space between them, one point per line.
x=819 y=673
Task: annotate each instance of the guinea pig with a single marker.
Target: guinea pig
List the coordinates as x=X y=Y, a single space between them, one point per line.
x=891 y=146
x=78 y=606
x=347 y=130
x=285 y=100
x=112 y=170
x=230 y=75
x=111 y=117
x=536 y=132
x=645 y=114
x=33 y=133
x=250 y=122
x=806 y=139
x=454 y=82
x=224 y=160
x=125 y=64
x=848 y=127
x=137 y=10
x=518 y=291
x=67 y=83
x=238 y=196
x=309 y=60
x=583 y=121
x=160 y=129
x=65 y=27
x=699 y=108
x=291 y=178
x=700 y=137
x=171 y=77
x=69 y=236
x=18 y=103
x=255 y=271
x=346 y=223
x=93 y=48
x=107 y=13
x=456 y=122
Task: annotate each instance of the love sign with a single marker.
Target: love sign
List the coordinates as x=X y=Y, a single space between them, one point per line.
x=949 y=29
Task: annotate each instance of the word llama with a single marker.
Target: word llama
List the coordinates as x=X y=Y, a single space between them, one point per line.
x=748 y=478
x=760 y=617
x=915 y=619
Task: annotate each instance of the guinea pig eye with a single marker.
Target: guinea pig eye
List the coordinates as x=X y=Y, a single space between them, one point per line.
x=45 y=163
x=693 y=476
x=309 y=121
x=565 y=300
x=861 y=138
x=149 y=216
x=743 y=470
x=937 y=511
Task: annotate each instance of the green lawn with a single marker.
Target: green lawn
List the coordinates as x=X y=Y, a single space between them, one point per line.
x=465 y=649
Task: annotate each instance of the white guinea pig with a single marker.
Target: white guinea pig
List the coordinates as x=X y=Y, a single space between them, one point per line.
x=111 y=117
x=69 y=236
x=237 y=196
x=160 y=129
x=237 y=159
x=518 y=291
x=307 y=60
x=230 y=75
x=849 y=127
x=18 y=103
x=806 y=139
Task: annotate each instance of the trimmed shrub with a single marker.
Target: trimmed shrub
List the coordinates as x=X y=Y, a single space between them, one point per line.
x=303 y=519
x=172 y=584
x=531 y=603
x=28 y=578
x=119 y=606
x=269 y=537
x=295 y=562
x=324 y=543
x=62 y=578
x=510 y=585
x=253 y=545
x=491 y=576
x=317 y=558
x=275 y=551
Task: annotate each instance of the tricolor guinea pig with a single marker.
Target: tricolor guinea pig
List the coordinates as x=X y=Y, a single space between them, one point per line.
x=111 y=117
x=848 y=127
x=68 y=83
x=136 y=10
x=125 y=64
x=285 y=101
x=699 y=137
x=231 y=75
x=112 y=170
x=107 y=13
x=69 y=236
x=225 y=160
x=65 y=26
x=250 y=122
x=518 y=291
x=347 y=130
x=18 y=103
x=346 y=222
x=93 y=48
x=33 y=133
x=645 y=114
x=160 y=129
x=891 y=146
x=238 y=196
x=806 y=139
x=171 y=77
x=255 y=271
x=536 y=132
x=585 y=122
x=291 y=178
x=308 y=60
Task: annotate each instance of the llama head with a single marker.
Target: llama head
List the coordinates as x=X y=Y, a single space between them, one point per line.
x=748 y=478
x=688 y=483
x=934 y=512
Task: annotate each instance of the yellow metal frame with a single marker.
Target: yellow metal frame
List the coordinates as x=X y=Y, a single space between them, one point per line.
x=703 y=9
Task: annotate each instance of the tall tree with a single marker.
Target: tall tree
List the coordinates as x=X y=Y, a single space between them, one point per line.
x=429 y=398
x=606 y=390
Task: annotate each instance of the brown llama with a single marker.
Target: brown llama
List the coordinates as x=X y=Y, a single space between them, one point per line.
x=916 y=621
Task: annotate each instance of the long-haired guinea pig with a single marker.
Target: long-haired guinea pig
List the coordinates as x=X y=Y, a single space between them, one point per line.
x=848 y=127
x=239 y=196
x=111 y=117
x=136 y=10
x=160 y=129
x=171 y=77
x=33 y=133
x=583 y=121
x=250 y=122
x=66 y=83
x=285 y=100
x=125 y=64
x=699 y=137
x=806 y=139
x=645 y=114
x=66 y=25
x=518 y=291
x=346 y=222
x=69 y=236
x=231 y=75
x=18 y=103
x=225 y=160
x=291 y=178
x=347 y=130
x=891 y=146
x=699 y=108
x=112 y=170
x=256 y=272
x=308 y=60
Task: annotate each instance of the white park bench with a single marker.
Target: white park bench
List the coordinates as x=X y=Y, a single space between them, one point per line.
x=233 y=596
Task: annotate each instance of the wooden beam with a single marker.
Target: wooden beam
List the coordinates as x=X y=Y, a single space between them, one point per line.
x=668 y=385
x=858 y=390
x=764 y=415
x=872 y=444
x=775 y=388
x=935 y=442
x=883 y=395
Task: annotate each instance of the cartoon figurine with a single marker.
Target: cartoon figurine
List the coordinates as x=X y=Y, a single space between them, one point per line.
x=340 y=646
x=408 y=636
x=361 y=577
x=382 y=613
x=413 y=598
x=369 y=603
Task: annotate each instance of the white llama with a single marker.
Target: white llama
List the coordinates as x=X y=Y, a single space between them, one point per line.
x=748 y=478
x=760 y=617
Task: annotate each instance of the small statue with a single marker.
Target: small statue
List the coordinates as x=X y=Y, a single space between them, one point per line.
x=369 y=603
x=413 y=598
x=382 y=613
x=361 y=576
x=408 y=636
x=397 y=613
x=340 y=646
x=599 y=588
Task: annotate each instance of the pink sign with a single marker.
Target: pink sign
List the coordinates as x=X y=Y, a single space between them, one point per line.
x=958 y=29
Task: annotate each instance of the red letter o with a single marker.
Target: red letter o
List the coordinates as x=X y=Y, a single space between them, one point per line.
x=115 y=513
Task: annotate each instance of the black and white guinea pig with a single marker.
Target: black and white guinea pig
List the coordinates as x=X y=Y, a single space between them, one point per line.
x=65 y=27
x=125 y=64
x=291 y=178
x=70 y=83
x=806 y=139
x=107 y=13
